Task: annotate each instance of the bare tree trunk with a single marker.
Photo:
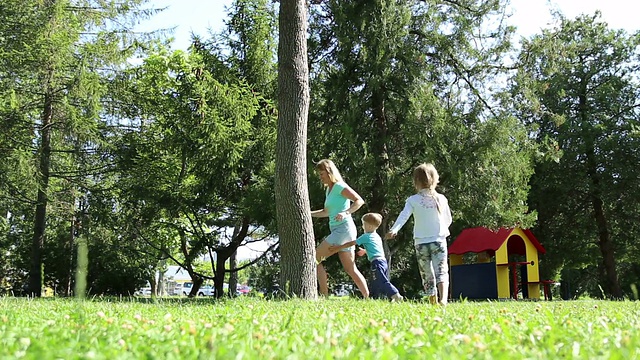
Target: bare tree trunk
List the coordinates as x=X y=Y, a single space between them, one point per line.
x=71 y=247
x=605 y=243
x=162 y=267
x=233 y=275
x=612 y=286
x=297 y=246
x=153 y=283
x=381 y=178
x=40 y=219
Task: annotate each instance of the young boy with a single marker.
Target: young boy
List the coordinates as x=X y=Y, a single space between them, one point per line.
x=372 y=244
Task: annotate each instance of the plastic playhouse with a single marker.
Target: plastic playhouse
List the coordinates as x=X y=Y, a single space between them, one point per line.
x=505 y=265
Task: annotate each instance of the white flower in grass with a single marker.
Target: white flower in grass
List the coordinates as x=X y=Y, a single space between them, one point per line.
x=137 y=317
x=386 y=336
x=462 y=337
x=100 y=314
x=122 y=343
x=167 y=316
x=25 y=342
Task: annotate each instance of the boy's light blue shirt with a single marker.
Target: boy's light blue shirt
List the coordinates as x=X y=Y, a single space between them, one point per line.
x=372 y=242
x=335 y=203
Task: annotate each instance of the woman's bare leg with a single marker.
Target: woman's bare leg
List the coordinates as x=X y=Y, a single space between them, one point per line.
x=347 y=258
x=322 y=252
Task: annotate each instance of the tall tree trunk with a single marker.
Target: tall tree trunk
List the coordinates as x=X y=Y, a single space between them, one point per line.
x=40 y=219
x=612 y=287
x=605 y=243
x=381 y=154
x=233 y=275
x=162 y=268
x=71 y=248
x=293 y=213
x=153 y=284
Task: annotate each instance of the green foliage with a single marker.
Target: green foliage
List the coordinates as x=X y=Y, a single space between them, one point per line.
x=57 y=58
x=338 y=329
x=398 y=83
x=578 y=92
x=199 y=162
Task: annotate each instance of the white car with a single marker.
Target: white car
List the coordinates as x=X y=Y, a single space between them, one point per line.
x=183 y=289
x=206 y=290
x=145 y=291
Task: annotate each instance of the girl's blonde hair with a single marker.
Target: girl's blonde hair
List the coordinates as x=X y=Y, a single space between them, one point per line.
x=425 y=177
x=331 y=169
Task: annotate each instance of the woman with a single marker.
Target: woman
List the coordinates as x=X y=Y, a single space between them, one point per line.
x=340 y=202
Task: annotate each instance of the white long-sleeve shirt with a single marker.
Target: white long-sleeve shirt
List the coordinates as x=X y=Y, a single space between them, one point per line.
x=429 y=224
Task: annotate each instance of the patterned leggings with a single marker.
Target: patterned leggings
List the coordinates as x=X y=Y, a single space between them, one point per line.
x=432 y=262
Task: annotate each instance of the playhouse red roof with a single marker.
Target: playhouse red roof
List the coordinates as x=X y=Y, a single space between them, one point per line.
x=481 y=239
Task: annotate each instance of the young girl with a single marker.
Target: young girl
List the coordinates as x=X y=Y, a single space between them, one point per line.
x=431 y=217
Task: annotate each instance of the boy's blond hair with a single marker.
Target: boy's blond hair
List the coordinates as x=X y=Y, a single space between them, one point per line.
x=372 y=219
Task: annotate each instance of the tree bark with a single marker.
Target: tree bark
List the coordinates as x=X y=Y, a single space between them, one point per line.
x=297 y=246
x=40 y=219
x=605 y=243
x=240 y=232
x=381 y=154
x=233 y=276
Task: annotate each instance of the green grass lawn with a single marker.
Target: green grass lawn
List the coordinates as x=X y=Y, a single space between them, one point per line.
x=251 y=328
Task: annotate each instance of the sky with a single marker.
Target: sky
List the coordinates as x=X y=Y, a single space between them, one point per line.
x=530 y=16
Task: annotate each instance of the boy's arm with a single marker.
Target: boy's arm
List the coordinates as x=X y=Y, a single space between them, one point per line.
x=336 y=248
x=319 y=213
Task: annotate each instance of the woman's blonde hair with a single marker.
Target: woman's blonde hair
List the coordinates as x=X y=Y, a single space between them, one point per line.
x=425 y=177
x=331 y=169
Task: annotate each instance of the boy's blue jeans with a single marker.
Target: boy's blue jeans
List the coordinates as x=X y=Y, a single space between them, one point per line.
x=381 y=284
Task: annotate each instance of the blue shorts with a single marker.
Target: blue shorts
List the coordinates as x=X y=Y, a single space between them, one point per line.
x=343 y=233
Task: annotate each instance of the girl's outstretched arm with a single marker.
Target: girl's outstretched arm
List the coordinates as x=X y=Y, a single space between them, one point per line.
x=401 y=220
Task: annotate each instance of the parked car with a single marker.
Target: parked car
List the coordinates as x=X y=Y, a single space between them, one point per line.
x=343 y=290
x=183 y=289
x=145 y=291
x=206 y=290
x=243 y=289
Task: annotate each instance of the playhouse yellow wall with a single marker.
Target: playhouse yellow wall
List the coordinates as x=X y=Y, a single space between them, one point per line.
x=455 y=259
x=502 y=272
